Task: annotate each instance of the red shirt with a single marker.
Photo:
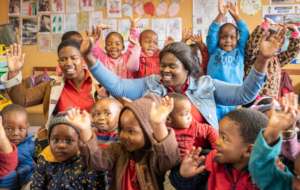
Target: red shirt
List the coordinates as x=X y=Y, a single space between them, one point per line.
x=148 y=65
x=73 y=97
x=198 y=135
x=8 y=162
x=129 y=180
x=224 y=177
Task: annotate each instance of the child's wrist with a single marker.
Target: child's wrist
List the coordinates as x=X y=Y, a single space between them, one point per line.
x=271 y=134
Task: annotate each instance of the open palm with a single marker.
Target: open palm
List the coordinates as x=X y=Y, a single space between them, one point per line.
x=192 y=163
x=15 y=58
x=160 y=111
x=79 y=120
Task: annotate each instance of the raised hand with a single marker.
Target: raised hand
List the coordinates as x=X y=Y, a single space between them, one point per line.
x=169 y=40
x=82 y=121
x=134 y=22
x=197 y=39
x=15 y=58
x=192 y=164
x=186 y=34
x=222 y=7
x=133 y=41
x=234 y=10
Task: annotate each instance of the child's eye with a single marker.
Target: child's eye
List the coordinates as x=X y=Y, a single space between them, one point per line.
x=68 y=141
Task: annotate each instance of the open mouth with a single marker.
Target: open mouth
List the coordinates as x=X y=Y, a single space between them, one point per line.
x=167 y=76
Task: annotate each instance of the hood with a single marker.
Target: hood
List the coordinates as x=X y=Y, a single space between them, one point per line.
x=141 y=108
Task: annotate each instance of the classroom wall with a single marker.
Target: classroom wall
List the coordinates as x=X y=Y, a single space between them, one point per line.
x=36 y=58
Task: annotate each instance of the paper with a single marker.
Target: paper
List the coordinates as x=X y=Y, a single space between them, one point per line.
x=250 y=7
x=174 y=28
x=281 y=1
x=162 y=8
x=113 y=26
x=57 y=5
x=124 y=28
x=139 y=8
x=86 y=5
x=114 y=8
x=15 y=22
x=29 y=8
x=44 y=6
x=29 y=30
x=57 y=23
x=44 y=42
x=96 y=18
x=278 y=9
x=127 y=10
x=70 y=22
x=143 y=24
x=72 y=6
x=14 y=7
x=160 y=27
x=99 y=4
x=173 y=9
x=55 y=41
x=45 y=23
x=82 y=21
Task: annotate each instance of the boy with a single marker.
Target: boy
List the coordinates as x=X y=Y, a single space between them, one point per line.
x=60 y=165
x=15 y=123
x=189 y=132
x=147 y=148
x=227 y=165
x=105 y=118
x=266 y=150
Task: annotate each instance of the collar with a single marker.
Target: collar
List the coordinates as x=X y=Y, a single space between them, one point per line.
x=87 y=77
x=183 y=88
x=156 y=54
x=49 y=157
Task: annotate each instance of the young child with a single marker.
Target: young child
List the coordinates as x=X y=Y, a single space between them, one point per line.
x=15 y=123
x=147 y=148
x=59 y=165
x=105 y=119
x=189 y=132
x=228 y=164
x=262 y=165
x=149 y=58
x=272 y=85
x=226 y=44
x=122 y=64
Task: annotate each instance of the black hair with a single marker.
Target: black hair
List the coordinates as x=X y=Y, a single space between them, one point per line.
x=229 y=24
x=250 y=122
x=12 y=108
x=66 y=43
x=68 y=35
x=115 y=33
x=184 y=53
x=146 y=31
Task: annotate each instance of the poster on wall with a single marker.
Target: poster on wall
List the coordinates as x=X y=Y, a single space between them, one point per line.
x=15 y=22
x=72 y=6
x=160 y=27
x=278 y=9
x=250 y=7
x=86 y=5
x=282 y=1
x=95 y=18
x=29 y=30
x=45 y=23
x=143 y=24
x=29 y=8
x=112 y=24
x=14 y=7
x=44 y=42
x=99 y=4
x=114 y=8
x=57 y=23
x=70 y=22
x=124 y=28
x=82 y=21
x=174 y=28
x=44 y=5
x=57 y=6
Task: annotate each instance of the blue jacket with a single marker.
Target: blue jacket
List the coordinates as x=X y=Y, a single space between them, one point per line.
x=203 y=92
x=262 y=166
x=25 y=167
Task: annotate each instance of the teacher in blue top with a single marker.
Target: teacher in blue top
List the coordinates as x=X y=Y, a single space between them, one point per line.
x=178 y=74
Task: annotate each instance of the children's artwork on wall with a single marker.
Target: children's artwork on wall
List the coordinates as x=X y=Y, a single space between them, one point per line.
x=82 y=21
x=112 y=23
x=45 y=23
x=86 y=5
x=149 y=8
x=70 y=22
x=281 y=1
x=44 y=5
x=29 y=8
x=174 y=28
x=57 y=5
x=56 y=39
x=124 y=28
x=143 y=24
x=250 y=7
x=99 y=4
x=160 y=27
x=278 y=9
x=57 y=23
x=29 y=30
x=72 y=6
x=96 y=18
x=15 y=22
x=162 y=8
x=138 y=8
x=14 y=7
x=127 y=10
x=44 y=42
x=114 y=8
x=173 y=8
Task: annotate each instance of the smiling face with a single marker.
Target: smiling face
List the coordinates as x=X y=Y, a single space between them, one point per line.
x=70 y=62
x=114 y=45
x=131 y=134
x=16 y=126
x=231 y=148
x=64 y=142
x=149 y=42
x=228 y=37
x=172 y=71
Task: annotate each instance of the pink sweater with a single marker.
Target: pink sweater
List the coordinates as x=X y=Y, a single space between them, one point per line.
x=126 y=64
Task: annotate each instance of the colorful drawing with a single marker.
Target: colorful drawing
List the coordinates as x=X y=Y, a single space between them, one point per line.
x=14 y=7
x=29 y=30
x=57 y=5
x=29 y=8
x=44 y=5
x=114 y=8
x=45 y=23
x=57 y=23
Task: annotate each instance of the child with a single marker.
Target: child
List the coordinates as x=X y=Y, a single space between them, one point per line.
x=147 y=148
x=15 y=123
x=105 y=118
x=272 y=85
x=227 y=165
x=149 y=58
x=226 y=46
x=122 y=64
x=59 y=165
x=265 y=173
x=189 y=132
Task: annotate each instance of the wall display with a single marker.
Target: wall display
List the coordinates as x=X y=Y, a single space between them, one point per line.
x=45 y=23
x=14 y=7
x=57 y=23
x=44 y=6
x=29 y=30
x=114 y=8
x=250 y=7
x=29 y=8
x=72 y=6
x=57 y=5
